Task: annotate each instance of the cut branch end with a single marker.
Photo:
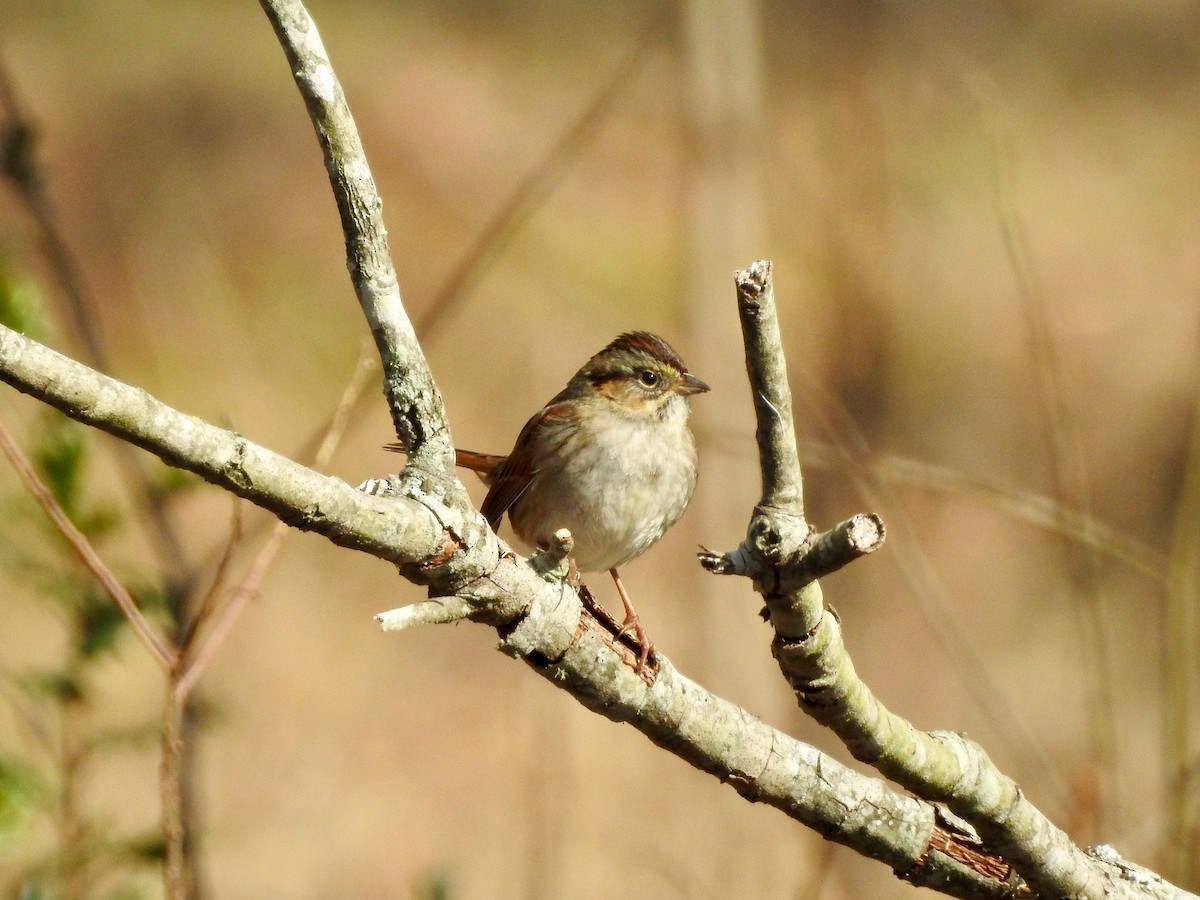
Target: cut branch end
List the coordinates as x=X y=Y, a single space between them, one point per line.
x=438 y=611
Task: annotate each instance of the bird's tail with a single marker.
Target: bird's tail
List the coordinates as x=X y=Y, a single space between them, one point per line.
x=482 y=464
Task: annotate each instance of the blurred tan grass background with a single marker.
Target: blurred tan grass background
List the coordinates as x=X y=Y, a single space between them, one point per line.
x=894 y=140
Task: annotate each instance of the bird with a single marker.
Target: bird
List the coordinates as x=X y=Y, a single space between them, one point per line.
x=611 y=458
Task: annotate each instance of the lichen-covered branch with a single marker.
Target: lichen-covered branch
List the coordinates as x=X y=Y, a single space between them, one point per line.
x=782 y=481
x=401 y=531
x=940 y=766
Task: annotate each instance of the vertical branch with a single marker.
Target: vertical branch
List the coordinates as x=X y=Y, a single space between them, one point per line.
x=782 y=482
x=775 y=553
x=413 y=398
x=1181 y=625
x=71 y=846
x=1068 y=472
x=176 y=877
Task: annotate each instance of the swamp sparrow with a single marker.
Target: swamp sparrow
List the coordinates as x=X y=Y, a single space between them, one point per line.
x=611 y=459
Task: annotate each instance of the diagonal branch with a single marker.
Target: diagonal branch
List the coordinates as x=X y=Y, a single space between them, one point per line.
x=83 y=548
x=401 y=531
x=20 y=165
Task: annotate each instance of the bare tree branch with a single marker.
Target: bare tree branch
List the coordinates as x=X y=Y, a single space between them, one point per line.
x=402 y=531
x=939 y=766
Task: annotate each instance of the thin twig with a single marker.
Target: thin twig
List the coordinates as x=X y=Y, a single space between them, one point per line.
x=83 y=549
x=209 y=602
x=176 y=874
x=1180 y=630
x=854 y=456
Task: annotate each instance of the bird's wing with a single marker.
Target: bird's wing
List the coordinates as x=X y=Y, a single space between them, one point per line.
x=512 y=477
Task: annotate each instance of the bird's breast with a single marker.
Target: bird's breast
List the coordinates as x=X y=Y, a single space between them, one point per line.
x=615 y=484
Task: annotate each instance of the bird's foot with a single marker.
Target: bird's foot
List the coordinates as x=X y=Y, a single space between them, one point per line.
x=633 y=626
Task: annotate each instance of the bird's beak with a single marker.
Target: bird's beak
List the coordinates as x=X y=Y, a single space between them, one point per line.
x=690 y=384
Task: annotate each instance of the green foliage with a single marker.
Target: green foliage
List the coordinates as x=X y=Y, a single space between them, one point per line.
x=61 y=695
x=61 y=457
x=57 y=687
x=20 y=301
x=21 y=793
x=98 y=623
x=35 y=887
x=150 y=848
x=438 y=884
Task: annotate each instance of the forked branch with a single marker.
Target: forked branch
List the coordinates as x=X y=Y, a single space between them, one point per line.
x=783 y=555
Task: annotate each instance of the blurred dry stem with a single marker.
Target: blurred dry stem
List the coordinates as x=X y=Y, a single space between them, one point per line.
x=209 y=603
x=87 y=554
x=1181 y=647
x=197 y=655
x=178 y=879
x=853 y=459
x=18 y=144
x=1067 y=465
x=201 y=646
x=533 y=190
x=1038 y=509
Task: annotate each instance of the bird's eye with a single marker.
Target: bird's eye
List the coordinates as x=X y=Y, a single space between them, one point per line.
x=647 y=378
